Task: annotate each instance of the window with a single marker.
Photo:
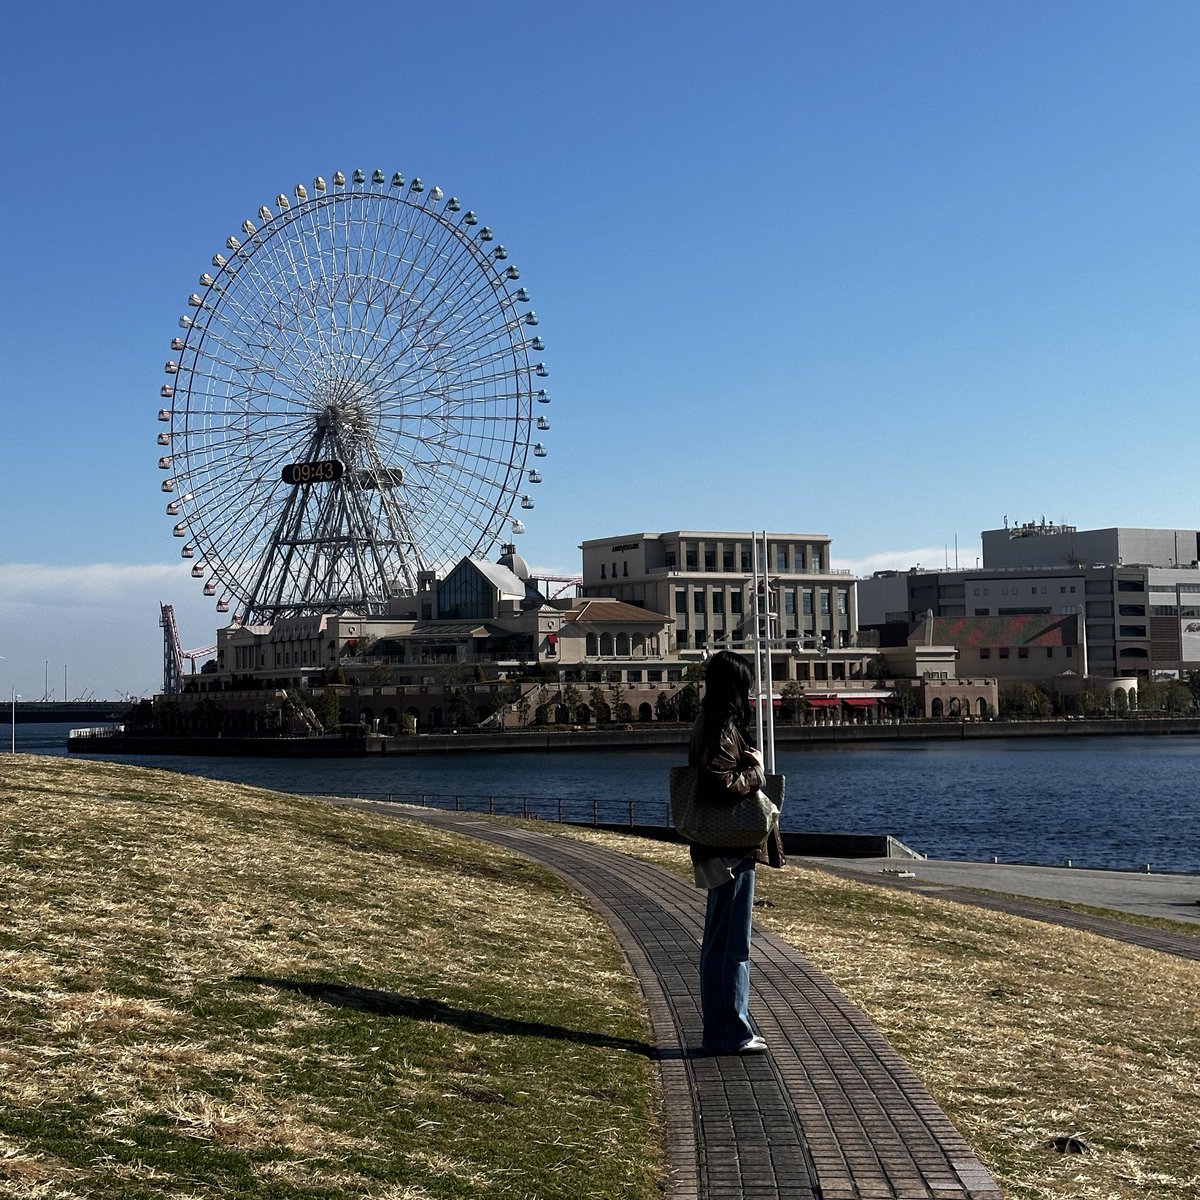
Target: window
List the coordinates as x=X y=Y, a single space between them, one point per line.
x=1003 y=651
x=789 y=603
x=726 y=560
x=816 y=562
x=806 y=604
x=690 y=560
x=799 y=560
x=710 y=560
x=1131 y=610
x=1138 y=631
x=1049 y=651
x=824 y=603
x=735 y=602
x=1070 y=651
x=1022 y=651
x=745 y=560
x=718 y=602
x=625 y=569
x=602 y=574
x=681 y=601
x=985 y=652
x=698 y=601
x=614 y=571
x=841 y=603
x=671 y=559
x=1130 y=585
x=781 y=558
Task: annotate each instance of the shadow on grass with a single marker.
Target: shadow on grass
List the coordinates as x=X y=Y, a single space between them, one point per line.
x=392 y=1004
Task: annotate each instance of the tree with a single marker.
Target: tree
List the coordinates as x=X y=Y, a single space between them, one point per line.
x=380 y=674
x=328 y=710
x=571 y=698
x=1192 y=679
x=794 y=700
x=458 y=707
x=1177 y=698
x=616 y=691
x=522 y=704
x=1024 y=700
x=905 y=697
x=687 y=702
x=664 y=707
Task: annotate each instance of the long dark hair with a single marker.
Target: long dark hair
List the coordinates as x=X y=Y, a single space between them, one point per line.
x=727 y=683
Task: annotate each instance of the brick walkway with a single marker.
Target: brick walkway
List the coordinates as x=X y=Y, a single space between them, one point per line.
x=832 y=1113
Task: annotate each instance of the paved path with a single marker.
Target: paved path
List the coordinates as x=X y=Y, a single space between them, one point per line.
x=832 y=1113
x=1169 y=896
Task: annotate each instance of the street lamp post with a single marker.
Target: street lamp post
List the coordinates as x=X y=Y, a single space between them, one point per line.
x=13 y=726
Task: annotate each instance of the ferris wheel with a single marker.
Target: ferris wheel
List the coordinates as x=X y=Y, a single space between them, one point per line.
x=350 y=400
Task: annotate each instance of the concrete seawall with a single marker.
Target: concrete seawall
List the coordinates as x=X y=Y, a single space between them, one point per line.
x=630 y=738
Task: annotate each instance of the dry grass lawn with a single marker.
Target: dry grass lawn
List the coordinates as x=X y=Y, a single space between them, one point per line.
x=208 y=990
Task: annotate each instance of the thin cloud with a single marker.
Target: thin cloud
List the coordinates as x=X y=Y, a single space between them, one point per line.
x=929 y=558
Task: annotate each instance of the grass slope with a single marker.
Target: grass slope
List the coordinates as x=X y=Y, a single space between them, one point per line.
x=209 y=990
x=1023 y=1031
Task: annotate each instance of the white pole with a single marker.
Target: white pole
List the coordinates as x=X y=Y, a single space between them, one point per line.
x=758 y=714
x=770 y=717
x=14 y=720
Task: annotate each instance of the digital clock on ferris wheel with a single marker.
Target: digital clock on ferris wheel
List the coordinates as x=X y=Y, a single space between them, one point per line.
x=325 y=470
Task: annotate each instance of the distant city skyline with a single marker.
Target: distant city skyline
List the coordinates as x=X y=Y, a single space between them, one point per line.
x=883 y=272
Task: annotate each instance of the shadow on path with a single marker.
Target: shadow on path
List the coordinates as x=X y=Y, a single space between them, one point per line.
x=420 y=1008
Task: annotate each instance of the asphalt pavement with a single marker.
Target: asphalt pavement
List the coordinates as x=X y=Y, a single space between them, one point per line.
x=1176 y=897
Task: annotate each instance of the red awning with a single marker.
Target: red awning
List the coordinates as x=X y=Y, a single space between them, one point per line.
x=860 y=701
x=776 y=701
x=822 y=701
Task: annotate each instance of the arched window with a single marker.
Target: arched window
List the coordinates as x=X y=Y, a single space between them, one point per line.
x=645 y=712
x=937 y=710
x=982 y=707
x=622 y=645
x=590 y=647
x=639 y=645
x=606 y=645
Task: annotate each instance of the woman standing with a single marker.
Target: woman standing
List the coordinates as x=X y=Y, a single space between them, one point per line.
x=722 y=747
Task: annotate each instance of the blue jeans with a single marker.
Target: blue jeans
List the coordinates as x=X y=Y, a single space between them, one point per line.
x=725 y=962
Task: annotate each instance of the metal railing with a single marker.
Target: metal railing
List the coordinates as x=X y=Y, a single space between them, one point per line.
x=574 y=810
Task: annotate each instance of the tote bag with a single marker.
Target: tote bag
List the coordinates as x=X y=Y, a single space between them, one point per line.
x=713 y=817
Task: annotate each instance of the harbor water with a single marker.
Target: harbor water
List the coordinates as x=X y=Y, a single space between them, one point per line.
x=1116 y=802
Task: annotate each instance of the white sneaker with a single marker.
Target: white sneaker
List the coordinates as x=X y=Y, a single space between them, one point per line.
x=754 y=1045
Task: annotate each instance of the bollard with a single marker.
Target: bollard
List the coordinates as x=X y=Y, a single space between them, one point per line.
x=1066 y=862
x=1145 y=868
x=995 y=859
x=456 y=804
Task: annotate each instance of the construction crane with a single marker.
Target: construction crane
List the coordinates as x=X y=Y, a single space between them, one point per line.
x=174 y=653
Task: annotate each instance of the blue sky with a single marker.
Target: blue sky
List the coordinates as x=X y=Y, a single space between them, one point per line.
x=885 y=271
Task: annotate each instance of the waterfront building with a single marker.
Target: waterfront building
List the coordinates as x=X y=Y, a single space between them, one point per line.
x=1138 y=591
x=705 y=582
x=483 y=644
